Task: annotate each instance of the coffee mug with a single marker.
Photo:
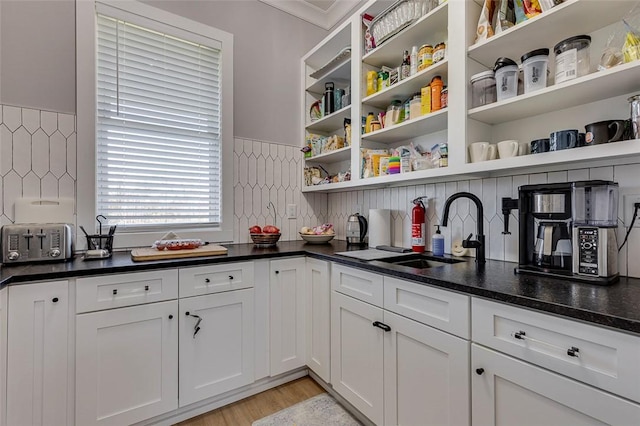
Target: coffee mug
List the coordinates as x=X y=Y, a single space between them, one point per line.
x=563 y=139
x=482 y=151
x=604 y=132
x=524 y=149
x=508 y=149
x=539 y=145
x=582 y=139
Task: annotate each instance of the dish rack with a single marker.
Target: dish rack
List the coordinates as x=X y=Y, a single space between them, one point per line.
x=398 y=16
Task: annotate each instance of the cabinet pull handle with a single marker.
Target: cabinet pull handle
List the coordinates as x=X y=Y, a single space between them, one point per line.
x=54 y=300
x=572 y=351
x=479 y=371
x=146 y=288
x=381 y=325
x=207 y=280
x=230 y=277
x=170 y=316
x=196 y=327
x=115 y=291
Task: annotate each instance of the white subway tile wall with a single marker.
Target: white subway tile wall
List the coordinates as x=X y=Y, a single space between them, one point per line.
x=37 y=156
x=463 y=219
x=266 y=173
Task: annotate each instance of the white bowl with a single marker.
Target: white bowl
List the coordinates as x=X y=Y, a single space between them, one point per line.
x=317 y=239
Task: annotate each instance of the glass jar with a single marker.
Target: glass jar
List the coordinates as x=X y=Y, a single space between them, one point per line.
x=572 y=58
x=483 y=89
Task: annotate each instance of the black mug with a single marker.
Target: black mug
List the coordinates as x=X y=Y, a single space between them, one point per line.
x=605 y=132
x=563 y=139
x=539 y=145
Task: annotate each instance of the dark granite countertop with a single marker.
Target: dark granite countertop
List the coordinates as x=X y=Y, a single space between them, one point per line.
x=616 y=306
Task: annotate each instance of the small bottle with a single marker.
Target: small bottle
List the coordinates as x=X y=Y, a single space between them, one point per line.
x=380 y=87
x=437 y=242
x=405 y=68
x=367 y=125
x=329 y=100
x=436 y=89
x=444 y=155
x=413 y=60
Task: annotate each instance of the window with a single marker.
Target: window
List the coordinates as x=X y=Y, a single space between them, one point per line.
x=160 y=123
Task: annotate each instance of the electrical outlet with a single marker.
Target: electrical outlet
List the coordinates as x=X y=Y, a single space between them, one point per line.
x=292 y=211
x=629 y=208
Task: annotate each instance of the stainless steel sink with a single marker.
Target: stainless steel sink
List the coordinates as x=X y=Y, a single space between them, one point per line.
x=420 y=261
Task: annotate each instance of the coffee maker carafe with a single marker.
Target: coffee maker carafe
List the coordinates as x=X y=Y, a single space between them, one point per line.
x=568 y=229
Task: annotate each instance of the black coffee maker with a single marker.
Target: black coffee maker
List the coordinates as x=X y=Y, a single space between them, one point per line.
x=567 y=230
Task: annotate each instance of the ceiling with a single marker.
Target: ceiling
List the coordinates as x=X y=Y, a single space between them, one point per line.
x=323 y=13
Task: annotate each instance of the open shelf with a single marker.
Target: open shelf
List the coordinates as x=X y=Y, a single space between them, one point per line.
x=329 y=186
x=334 y=156
x=568 y=19
x=413 y=84
x=340 y=75
x=330 y=122
x=596 y=86
x=422 y=125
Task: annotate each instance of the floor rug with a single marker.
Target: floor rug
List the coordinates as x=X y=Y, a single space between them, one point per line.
x=321 y=410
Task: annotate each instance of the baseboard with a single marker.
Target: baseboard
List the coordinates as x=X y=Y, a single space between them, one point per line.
x=211 y=404
x=350 y=408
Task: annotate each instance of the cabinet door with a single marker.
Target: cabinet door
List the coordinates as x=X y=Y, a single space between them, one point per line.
x=513 y=392
x=318 y=309
x=426 y=375
x=216 y=344
x=126 y=364
x=37 y=385
x=287 y=315
x=357 y=354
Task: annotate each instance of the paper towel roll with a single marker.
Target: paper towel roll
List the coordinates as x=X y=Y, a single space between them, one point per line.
x=379 y=227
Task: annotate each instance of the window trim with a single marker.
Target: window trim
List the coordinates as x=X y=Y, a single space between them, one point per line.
x=86 y=53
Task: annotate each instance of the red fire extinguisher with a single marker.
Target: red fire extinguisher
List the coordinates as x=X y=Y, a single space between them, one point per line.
x=418 y=225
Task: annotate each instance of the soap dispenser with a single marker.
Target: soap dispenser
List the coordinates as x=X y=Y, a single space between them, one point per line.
x=438 y=242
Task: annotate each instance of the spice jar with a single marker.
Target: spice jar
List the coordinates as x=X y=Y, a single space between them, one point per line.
x=425 y=56
x=444 y=97
x=436 y=92
x=439 y=52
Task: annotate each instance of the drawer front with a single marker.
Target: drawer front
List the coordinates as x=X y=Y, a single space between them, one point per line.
x=118 y=290
x=215 y=278
x=441 y=309
x=601 y=357
x=362 y=285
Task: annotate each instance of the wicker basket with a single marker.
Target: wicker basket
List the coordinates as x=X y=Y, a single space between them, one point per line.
x=265 y=240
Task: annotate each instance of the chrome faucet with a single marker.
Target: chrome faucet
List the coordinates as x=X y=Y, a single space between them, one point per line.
x=468 y=243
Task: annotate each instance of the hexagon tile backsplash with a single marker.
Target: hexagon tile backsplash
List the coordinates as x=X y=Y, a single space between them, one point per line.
x=37 y=156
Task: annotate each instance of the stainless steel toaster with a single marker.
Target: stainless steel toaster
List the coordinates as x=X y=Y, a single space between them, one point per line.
x=36 y=242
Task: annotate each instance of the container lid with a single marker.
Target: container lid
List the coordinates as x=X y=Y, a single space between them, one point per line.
x=584 y=39
x=481 y=75
x=504 y=62
x=537 y=52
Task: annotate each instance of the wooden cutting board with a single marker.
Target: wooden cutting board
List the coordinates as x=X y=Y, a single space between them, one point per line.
x=141 y=254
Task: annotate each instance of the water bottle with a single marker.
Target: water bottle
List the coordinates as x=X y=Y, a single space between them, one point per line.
x=329 y=101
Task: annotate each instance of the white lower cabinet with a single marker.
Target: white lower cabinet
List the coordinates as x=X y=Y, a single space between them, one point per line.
x=287 y=316
x=37 y=357
x=216 y=344
x=126 y=364
x=318 y=318
x=508 y=391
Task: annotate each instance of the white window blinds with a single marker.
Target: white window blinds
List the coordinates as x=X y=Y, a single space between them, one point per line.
x=158 y=127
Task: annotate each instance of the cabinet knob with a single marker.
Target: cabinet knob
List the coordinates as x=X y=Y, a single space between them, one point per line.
x=187 y=313
x=573 y=351
x=230 y=277
x=170 y=316
x=54 y=300
x=115 y=291
x=277 y=272
x=479 y=371
x=207 y=280
x=146 y=288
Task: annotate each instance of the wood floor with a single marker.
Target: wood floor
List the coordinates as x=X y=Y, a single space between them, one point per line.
x=248 y=410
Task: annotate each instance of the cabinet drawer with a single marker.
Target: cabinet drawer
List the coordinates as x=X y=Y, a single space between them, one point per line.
x=215 y=278
x=441 y=309
x=601 y=357
x=362 y=285
x=115 y=291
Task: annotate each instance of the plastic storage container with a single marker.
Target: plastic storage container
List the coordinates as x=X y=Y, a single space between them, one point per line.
x=483 y=89
x=534 y=65
x=506 y=71
x=572 y=58
x=595 y=203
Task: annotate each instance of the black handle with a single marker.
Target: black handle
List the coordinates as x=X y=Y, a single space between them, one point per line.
x=573 y=351
x=519 y=335
x=479 y=371
x=231 y=276
x=277 y=272
x=381 y=325
x=170 y=316
x=54 y=300
x=115 y=291
x=207 y=280
x=187 y=313
x=146 y=288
